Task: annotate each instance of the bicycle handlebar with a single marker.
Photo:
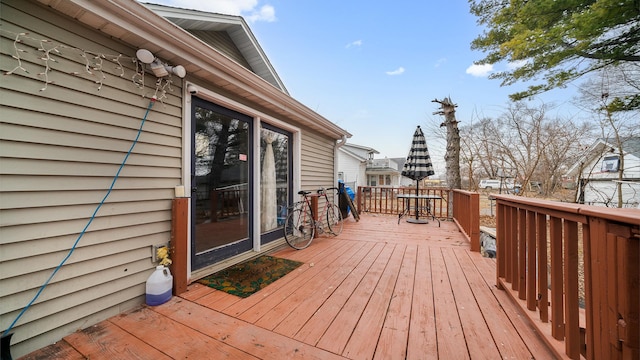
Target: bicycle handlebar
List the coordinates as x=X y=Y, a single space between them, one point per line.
x=319 y=191
x=324 y=191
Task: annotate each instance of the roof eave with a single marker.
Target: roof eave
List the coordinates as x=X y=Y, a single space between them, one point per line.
x=140 y=27
x=236 y=27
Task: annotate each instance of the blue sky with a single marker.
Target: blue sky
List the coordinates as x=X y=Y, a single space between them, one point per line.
x=374 y=68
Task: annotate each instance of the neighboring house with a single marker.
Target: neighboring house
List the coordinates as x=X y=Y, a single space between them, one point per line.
x=358 y=167
x=352 y=164
x=597 y=173
x=76 y=89
x=386 y=172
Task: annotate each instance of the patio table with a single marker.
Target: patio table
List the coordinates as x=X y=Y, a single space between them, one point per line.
x=406 y=199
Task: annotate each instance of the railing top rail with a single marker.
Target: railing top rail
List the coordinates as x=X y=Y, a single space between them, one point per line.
x=626 y=215
x=466 y=192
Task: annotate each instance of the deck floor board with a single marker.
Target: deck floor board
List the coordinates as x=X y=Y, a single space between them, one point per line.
x=380 y=290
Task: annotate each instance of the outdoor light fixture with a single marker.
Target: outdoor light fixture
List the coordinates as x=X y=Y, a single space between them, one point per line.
x=159 y=68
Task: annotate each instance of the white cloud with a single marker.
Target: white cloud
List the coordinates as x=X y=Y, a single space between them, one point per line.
x=397 y=71
x=354 y=43
x=480 y=70
x=440 y=62
x=246 y=8
x=266 y=13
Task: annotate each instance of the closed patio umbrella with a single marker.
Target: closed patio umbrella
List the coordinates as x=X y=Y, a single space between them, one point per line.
x=418 y=165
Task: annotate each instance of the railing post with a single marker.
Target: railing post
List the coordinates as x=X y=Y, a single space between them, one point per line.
x=474 y=221
x=615 y=296
x=179 y=244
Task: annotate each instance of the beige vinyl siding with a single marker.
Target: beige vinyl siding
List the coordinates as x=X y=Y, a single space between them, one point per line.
x=59 y=151
x=222 y=42
x=317 y=161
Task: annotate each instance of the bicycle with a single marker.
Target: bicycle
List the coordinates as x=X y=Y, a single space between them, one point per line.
x=301 y=225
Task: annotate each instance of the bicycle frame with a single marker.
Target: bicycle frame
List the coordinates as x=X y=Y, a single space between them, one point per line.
x=303 y=223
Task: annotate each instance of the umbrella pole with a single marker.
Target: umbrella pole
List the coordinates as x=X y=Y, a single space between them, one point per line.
x=417 y=194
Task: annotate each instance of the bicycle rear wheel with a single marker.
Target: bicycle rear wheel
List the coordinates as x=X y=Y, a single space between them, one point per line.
x=334 y=219
x=299 y=228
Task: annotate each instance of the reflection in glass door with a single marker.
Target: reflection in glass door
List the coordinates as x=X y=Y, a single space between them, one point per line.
x=275 y=181
x=221 y=179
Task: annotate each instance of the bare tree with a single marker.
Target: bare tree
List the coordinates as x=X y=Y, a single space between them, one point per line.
x=452 y=156
x=524 y=143
x=562 y=145
x=479 y=151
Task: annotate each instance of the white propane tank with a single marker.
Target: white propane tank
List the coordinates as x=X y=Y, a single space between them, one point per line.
x=159 y=286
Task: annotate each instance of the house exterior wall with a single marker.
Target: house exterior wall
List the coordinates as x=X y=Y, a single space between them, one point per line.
x=317 y=166
x=605 y=193
x=60 y=149
x=352 y=168
x=602 y=190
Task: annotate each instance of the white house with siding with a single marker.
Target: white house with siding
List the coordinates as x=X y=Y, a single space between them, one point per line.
x=597 y=173
x=352 y=164
x=90 y=164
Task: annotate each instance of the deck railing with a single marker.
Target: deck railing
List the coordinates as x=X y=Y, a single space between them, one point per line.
x=544 y=247
x=466 y=210
x=384 y=200
x=463 y=209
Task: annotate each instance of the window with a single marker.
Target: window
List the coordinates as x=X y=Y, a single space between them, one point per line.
x=610 y=163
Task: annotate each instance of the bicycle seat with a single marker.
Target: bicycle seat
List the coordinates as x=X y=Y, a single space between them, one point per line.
x=302 y=192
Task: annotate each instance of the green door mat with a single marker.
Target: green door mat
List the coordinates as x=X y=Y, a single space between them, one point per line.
x=247 y=278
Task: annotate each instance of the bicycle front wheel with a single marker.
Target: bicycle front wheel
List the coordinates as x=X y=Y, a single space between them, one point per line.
x=299 y=229
x=334 y=219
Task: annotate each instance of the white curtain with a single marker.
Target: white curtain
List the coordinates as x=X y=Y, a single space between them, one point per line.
x=269 y=205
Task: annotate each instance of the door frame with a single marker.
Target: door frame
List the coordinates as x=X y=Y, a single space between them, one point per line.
x=239 y=246
x=258 y=118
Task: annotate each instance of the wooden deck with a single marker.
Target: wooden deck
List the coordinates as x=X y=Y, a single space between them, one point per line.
x=379 y=290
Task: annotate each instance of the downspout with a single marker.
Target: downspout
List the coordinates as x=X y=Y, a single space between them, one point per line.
x=340 y=143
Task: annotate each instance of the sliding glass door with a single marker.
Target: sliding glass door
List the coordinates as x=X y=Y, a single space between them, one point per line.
x=221 y=182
